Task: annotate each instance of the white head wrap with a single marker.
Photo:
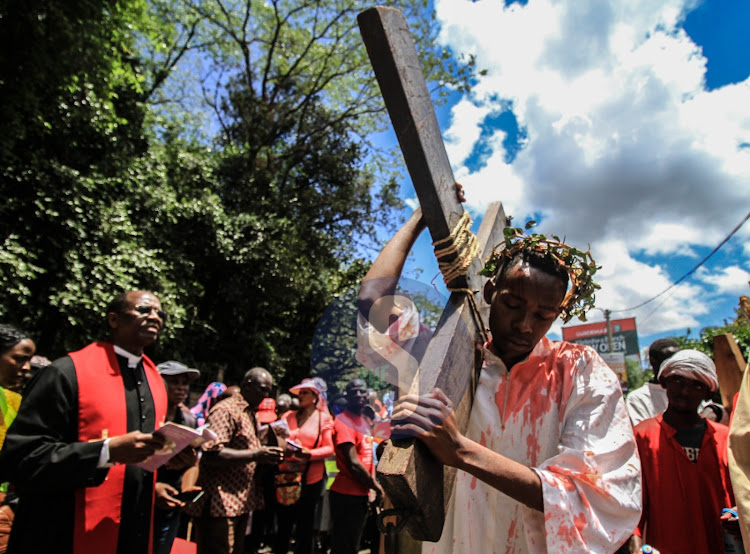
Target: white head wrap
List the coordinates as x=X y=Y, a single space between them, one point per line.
x=691 y=364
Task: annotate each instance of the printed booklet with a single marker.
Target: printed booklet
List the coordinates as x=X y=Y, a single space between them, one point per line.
x=177 y=437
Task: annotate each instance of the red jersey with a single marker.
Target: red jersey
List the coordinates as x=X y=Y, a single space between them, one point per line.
x=682 y=500
x=352 y=428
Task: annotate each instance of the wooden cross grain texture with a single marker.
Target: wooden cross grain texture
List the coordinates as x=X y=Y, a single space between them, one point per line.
x=410 y=475
x=730 y=366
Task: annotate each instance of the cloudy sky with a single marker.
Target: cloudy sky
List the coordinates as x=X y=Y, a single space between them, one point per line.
x=620 y=124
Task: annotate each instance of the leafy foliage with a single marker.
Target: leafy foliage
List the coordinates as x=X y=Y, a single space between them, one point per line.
x=71 y=97
x=637 y=376
x=246 y=223
x=305 y=49
x=739 y=328
x=70 y=82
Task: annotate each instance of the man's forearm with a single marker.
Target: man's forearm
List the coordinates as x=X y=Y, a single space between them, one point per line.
x=509 y=477
x=361 y=474
x=382 y=277
x=228 y=455
x=55 y=467
x=390 y=261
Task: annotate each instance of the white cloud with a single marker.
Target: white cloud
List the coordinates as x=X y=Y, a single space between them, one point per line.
x=626 y=151
x=729 y=280
x=495 y=180
x=466 y=119
x=412 y=203
x=672 y=238
x=627 y=283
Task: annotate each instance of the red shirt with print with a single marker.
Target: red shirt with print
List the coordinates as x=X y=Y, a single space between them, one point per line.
x=352 y=428
x=682 y=500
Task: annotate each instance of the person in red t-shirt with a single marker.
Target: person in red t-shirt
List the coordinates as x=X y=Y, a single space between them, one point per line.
x=684 y=464
x=356 y=477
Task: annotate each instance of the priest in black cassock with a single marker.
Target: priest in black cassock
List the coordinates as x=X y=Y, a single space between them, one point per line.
x=83 y=423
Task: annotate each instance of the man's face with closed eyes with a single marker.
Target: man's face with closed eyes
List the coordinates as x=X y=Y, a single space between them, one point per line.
x=524 y=303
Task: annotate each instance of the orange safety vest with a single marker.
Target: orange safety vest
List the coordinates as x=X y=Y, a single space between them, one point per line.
x=102 y=413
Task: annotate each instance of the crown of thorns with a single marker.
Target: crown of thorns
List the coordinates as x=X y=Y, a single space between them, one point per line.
x=579 y=265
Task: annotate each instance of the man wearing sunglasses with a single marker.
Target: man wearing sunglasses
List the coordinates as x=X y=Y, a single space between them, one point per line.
x=84 y=423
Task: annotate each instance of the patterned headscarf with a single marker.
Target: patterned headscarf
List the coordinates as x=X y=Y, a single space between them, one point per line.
x=691 y=364
x=206 y=401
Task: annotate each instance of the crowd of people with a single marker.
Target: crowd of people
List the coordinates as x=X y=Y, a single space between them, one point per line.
x=553 y=458
x=76 y=433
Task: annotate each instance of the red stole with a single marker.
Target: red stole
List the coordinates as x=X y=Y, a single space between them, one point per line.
x=102 y=413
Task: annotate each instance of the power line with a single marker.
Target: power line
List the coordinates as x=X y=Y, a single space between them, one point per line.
x=689 y=273
x=642 y=320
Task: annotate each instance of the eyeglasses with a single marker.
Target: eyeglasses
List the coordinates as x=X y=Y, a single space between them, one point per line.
x=146 y=310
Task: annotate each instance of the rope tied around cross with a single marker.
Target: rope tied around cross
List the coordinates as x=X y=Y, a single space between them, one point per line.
x=454 y=255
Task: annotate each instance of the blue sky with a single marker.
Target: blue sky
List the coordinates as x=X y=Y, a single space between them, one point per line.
x=623 y=125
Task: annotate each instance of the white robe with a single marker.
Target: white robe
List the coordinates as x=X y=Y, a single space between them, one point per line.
x=646 y=402
x=563 y=415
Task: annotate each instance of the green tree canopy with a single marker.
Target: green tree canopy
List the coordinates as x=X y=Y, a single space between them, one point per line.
x=218 y=153
x=738 y=327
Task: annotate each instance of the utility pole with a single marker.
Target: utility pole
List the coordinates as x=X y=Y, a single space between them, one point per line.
x=609 y=330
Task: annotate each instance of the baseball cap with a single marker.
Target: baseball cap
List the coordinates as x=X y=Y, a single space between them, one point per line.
x=176 y=368
x=266 y=411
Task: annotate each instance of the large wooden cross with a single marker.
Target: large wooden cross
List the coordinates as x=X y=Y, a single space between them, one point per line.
x=414 y=481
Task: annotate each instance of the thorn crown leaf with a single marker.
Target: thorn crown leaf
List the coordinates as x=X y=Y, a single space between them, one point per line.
x=579 y=265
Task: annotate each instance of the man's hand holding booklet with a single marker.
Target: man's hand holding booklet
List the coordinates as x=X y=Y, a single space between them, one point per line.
x=176 y=438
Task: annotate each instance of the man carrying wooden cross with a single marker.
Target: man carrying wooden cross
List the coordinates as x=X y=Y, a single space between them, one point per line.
x=548 y=462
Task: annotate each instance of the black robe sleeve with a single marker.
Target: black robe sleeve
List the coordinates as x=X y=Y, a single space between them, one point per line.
x=41 y=452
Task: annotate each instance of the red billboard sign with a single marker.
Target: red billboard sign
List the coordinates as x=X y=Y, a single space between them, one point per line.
x=598 y=329
x=624 y=339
